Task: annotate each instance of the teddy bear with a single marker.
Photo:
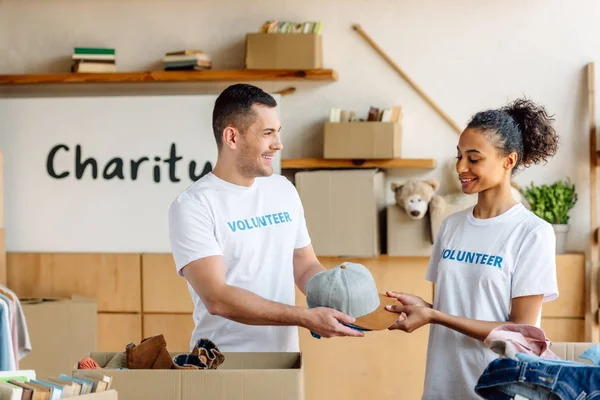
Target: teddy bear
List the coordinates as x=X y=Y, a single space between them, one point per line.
x=419 y=198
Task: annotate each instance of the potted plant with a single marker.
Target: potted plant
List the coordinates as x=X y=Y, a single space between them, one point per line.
x=553 y=203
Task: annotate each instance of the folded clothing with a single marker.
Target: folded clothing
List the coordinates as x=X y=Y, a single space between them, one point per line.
x=533 y=377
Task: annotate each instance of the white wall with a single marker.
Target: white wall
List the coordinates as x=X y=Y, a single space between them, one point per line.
x=468 y=55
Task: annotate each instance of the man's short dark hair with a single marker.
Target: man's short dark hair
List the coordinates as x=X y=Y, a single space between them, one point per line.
x=234 y=107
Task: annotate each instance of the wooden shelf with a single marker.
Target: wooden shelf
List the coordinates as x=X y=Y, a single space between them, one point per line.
x=242 y=75
x=319 y=163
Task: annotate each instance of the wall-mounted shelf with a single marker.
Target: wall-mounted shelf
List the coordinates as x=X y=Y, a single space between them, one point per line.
x=320 y=163
x=237 y=75
x=159 y=82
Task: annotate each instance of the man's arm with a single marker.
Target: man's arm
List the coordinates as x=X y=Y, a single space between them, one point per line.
x=207 y=278
x=306 y=265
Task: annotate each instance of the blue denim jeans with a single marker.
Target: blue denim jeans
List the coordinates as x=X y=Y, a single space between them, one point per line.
x=535 y=379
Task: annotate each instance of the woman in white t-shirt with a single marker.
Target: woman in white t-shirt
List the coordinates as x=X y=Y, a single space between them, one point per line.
x=491 y=264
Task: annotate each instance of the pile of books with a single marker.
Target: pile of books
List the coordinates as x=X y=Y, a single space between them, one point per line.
x=187 y=60
x=23 y=384
x=393 y=114
x=93 y=59
x=276 y=26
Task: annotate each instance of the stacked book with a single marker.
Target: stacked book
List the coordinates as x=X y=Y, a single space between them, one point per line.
x=187 y=60
x=276 y=26
x=393 y=114
x=93 y=59
x=23 y=384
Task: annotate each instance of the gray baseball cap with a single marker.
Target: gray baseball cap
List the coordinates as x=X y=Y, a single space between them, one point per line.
x=351 y=289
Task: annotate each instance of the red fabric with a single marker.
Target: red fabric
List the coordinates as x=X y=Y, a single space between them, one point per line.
x=88 y=363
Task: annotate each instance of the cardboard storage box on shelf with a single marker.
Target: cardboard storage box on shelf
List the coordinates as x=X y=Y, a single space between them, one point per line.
x=406 y=236
x=344 y=211
x=60 y=330
x=362 y=140
x=242 y=376
x=284 y=51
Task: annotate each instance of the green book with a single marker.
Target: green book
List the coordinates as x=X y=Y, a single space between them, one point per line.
x=93 y=50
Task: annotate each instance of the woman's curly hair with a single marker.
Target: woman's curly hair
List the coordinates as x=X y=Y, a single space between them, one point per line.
x=522 y=127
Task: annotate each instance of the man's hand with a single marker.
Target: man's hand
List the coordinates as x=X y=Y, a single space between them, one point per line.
x=412 y=317
x=327 y=322
x=408 y=299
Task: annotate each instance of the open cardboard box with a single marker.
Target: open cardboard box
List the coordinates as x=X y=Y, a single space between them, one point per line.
x=242 y=376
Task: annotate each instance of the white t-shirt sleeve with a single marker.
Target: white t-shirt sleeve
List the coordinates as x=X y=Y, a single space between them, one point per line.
x=436 y=254
x=191 y=233
x=302 y=236
x=535 y=267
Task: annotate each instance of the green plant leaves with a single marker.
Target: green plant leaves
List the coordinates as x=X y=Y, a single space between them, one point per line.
x=552 y=202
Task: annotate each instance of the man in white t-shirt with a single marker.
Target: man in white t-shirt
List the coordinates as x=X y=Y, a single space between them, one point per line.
x=238 y=236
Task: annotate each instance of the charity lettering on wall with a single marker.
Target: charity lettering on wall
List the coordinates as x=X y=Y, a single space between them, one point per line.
x=84 y=167
x=98 y=174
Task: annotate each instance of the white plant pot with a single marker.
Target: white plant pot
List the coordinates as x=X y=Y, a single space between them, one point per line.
x=561 y=231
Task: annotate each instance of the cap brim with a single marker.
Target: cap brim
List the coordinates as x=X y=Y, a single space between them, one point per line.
x=380 y=318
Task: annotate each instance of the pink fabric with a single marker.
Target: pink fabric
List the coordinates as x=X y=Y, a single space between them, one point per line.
x=524 y=338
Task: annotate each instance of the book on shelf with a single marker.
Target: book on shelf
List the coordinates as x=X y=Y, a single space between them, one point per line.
x=375 y=114
x=276 y=26
x=93 y=60
x=187 y=60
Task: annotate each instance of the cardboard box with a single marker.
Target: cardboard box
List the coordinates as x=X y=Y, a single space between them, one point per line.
x=242 y=376
x=106 y=395
x=572 y=350
x=405 y=236
x=362 y=140
x=284 y=51
x=344 y=211
x=449 y=209
x=60 y=330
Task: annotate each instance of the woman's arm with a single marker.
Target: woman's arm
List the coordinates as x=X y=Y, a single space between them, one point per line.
x=524 y=310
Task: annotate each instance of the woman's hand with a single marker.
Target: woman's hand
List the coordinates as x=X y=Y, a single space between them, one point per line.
x=412 y=317
x=408 y=299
